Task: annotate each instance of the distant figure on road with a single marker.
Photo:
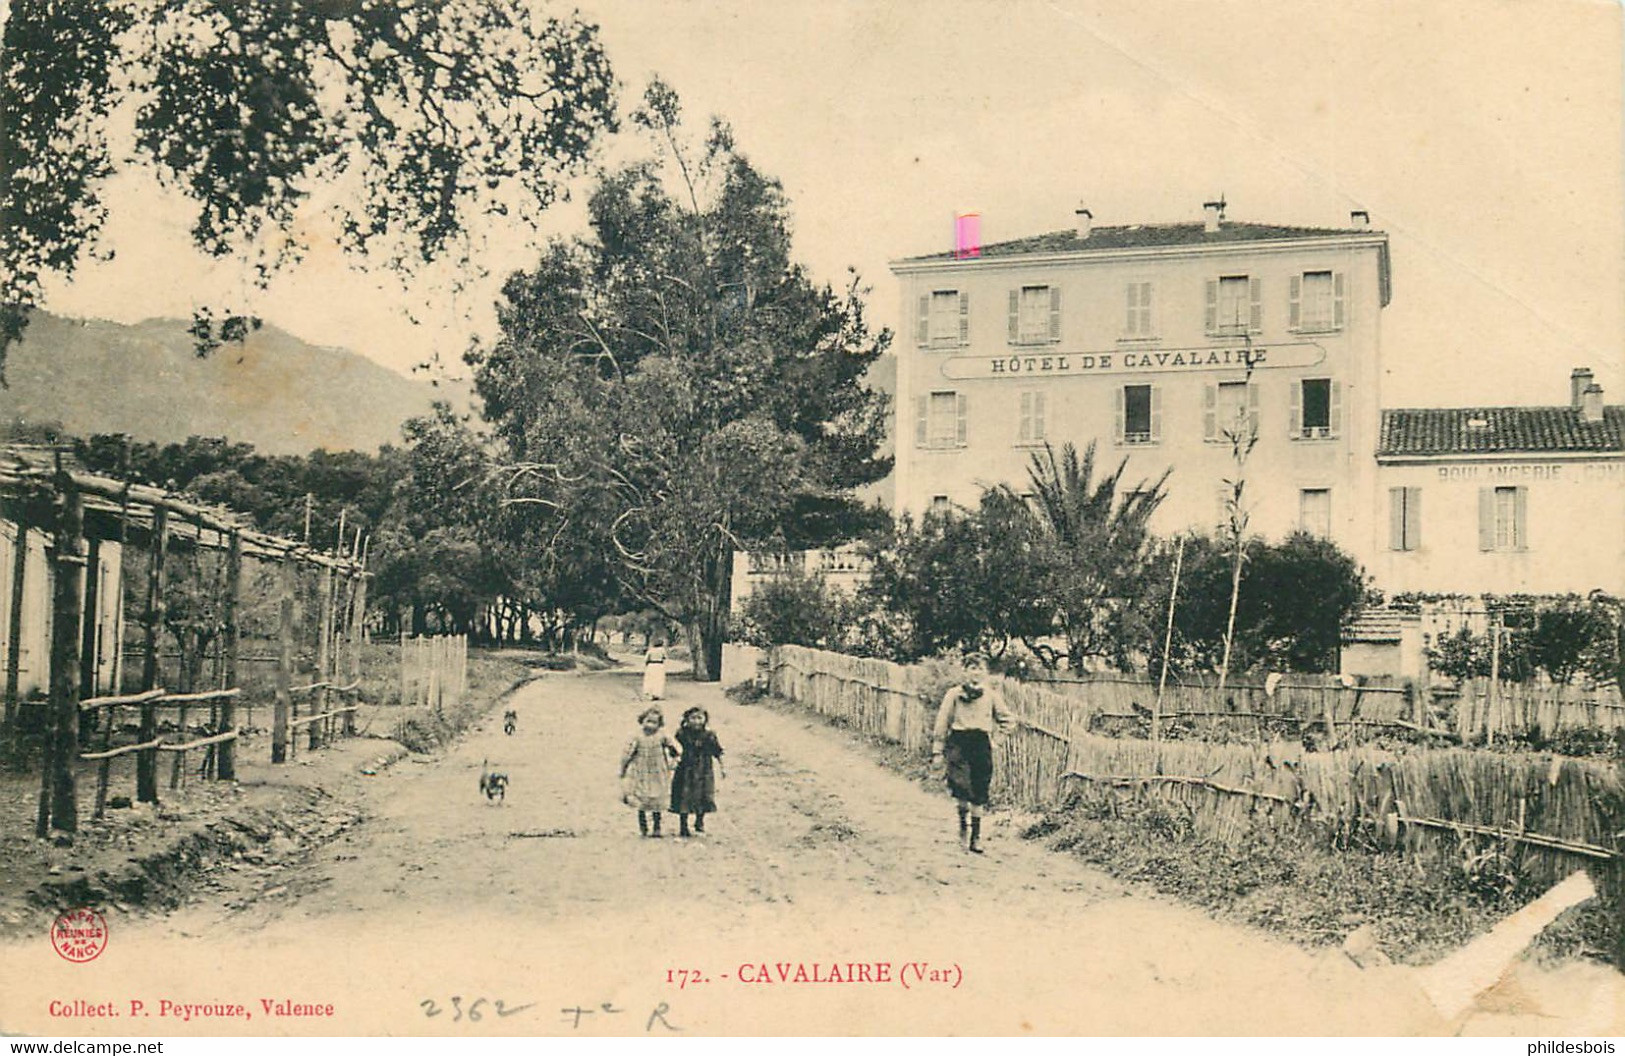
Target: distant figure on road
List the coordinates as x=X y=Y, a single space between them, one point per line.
x=654 y=671
x=962 y=740
x=646 y=771
x=694 y=785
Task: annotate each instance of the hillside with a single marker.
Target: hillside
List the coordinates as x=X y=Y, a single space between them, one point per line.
x=275 y=391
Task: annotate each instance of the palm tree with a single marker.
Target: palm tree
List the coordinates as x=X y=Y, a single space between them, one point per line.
x=1097 y=535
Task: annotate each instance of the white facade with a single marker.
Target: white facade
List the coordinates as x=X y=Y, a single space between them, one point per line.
x=34 y=654
x=1153 y=341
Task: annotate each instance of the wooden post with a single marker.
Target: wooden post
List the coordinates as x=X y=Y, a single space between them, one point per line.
x=284 y=665
x=66 y=612
x=324 y=651
x=358 y=616
x=146 y=762
x=1167 y=642
x=226 y=753
x=89 y=623
x=14 y=643
x=1492 y=697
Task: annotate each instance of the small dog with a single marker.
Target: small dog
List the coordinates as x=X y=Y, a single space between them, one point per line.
x=510 y=722
x=493 y=783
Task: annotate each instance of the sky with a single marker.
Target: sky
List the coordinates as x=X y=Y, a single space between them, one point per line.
x=1487 y=137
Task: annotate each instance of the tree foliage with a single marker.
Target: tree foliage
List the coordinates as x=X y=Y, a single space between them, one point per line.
x=796 y=609
x=673 y=386
x=419 y=122
x=960 y=580
x=1295 y=597
x=1094 y=549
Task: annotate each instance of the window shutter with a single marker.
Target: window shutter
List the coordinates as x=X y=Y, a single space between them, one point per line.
x=1520 y=519
x=1294 y=302
x=1156 y=413
x=1131 y=324
x=1212 y=306
x=1015 y=316
x=1146 y=328
x=1335 y=417
x=1039 y=399
x=1252 y=409
x=920 y=412
x=1294 y=425
x=1413 y=518
x=1337 y=300
x=923 y=331
x=1024 y=432
x=960 y=424
x=964 y=318
x=1054 y=313
x=1117 y=413
x=1486 y=518
x=1396 y=518
x=1255 y=317
x=1210 y=412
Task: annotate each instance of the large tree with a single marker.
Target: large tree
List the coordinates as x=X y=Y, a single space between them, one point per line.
x=416 y=120
x=674 y=387
x=1095 y=549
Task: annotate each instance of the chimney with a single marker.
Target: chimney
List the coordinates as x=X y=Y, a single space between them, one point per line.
x=1212 y=213
x=1086 y=221
x=1578 y=380
x=1591 y=403
x=1359 y=218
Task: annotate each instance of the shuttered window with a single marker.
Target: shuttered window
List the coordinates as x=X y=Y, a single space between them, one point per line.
x=1503 y=518
x=1404 y=518
x=1234 y=305
x=940 y=420
x=1035 y=315
x=1137 y=412
x=1315 y=301
x=1137 y=321
x=1315 y=511
x=1031 y=427
x=944 y=319
x=1229 y=408
x=1317 y=409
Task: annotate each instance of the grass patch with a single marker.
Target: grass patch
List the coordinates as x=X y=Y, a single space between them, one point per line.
x=1301 y=886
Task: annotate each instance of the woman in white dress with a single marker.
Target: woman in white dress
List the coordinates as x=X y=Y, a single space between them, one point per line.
x=654 y=671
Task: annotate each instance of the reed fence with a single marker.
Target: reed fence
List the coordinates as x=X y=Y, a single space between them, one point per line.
x=434 y=670
x=1548 y=812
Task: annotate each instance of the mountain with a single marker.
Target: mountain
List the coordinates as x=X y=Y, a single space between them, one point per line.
x=274 y=391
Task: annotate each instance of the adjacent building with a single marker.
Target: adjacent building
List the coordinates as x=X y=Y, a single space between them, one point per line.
x=1503 y=500
x=1160 y=343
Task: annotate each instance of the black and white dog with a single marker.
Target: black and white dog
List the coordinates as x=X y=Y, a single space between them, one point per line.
x=493 y=783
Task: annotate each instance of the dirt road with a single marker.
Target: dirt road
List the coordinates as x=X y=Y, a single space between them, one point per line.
x=551 y=902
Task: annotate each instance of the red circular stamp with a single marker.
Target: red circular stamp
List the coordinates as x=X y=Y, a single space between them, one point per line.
x=79 y=935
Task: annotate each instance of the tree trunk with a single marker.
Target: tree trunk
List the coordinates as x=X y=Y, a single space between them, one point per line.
x=709 y=630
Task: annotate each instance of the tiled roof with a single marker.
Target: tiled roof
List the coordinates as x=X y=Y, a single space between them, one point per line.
x=1378 y=625
x=1134 y=236
x=1486 y=430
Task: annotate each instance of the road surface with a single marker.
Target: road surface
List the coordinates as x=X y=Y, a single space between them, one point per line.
x=819 y=864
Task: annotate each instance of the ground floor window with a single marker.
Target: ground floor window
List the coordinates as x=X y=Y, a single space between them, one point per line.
x=1315 y=511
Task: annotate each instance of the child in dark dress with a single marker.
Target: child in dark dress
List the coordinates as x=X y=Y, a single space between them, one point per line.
x=693 y=785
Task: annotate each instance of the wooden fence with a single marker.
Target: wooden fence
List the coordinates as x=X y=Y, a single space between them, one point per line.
x=1550 y=812
x=1355 y=710
x=434 y=670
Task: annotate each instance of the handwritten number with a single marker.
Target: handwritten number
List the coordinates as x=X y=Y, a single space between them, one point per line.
x=429 y=1009
x=457 y=1003
x=474 y=1011
x=504 y=1010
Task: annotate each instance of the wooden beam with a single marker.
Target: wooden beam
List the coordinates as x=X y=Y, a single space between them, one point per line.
x=129 y=700
x=219 y=738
